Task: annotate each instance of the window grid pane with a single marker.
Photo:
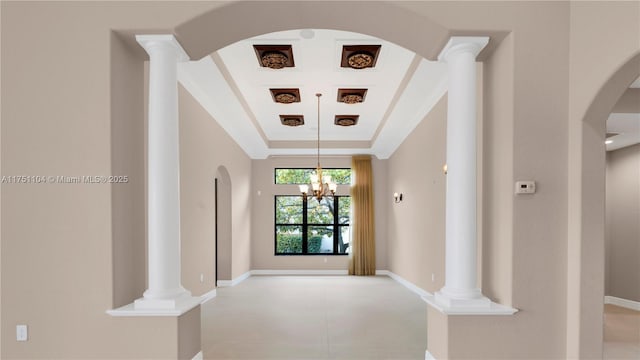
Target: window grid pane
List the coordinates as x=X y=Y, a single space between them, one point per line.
x=288 y=239
x=311 y=227
x=320 y=212
x=320 y=239
x=301 y=176
x=289 y=210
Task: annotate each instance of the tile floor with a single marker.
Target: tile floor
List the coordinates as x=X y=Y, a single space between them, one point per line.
x=344 y=317
x=621 y=333
x=318 y=317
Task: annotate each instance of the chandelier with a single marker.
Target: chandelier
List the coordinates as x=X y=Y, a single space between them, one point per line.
x=320 y=185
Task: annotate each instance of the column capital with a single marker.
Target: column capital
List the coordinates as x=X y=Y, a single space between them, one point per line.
x=466 y=44
x=166 y=41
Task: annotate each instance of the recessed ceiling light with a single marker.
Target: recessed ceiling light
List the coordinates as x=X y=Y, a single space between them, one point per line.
x=307 y=34
x=608 y=142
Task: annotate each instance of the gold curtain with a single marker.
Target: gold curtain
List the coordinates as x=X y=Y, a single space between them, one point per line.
x=362 y=259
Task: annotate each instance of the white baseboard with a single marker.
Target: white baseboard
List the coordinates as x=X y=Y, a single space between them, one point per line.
x=208 y=296
x=629 y=304
x=299 y=272
x=234 y=282
x=409 y=285
x=199 y=356
x=428 y=356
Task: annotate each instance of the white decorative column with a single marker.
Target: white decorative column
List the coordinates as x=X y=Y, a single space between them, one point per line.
x=164 y=291
x=461 y=295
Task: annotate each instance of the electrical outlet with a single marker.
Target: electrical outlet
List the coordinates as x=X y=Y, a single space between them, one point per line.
x=22 y=333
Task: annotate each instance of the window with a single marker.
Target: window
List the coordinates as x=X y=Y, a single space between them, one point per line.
x=301 y=176
x=308 y=226
x=312 y=227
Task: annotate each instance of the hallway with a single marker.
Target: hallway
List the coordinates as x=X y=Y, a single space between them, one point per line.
x=315 y=317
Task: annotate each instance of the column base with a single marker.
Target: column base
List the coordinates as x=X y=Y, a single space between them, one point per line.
x=474 y=299
x=474 y=306
x=166 y=302
x=158 y=307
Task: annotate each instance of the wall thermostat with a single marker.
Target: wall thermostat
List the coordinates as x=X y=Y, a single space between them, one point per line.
x=525 y=187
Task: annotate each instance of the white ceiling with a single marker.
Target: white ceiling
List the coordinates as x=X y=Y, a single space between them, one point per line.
x=626 y=125
x=234 y=89
x=402 y=89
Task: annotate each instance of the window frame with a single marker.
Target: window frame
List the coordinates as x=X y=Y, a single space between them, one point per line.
x=337 y=227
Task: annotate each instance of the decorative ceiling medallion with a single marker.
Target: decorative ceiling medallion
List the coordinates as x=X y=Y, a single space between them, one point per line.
x=360 y=60
x=351 y=96
x=285 y=96
x=359 y=56
x=351 y=99
x=274 y=59
x=292 y=120
x=274 y=56
x=346 y=120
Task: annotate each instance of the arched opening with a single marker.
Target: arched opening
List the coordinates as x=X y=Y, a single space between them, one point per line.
x=312 y=15
x=587 y=216
x=275 y=17
x=622 y=231
x=223 y=235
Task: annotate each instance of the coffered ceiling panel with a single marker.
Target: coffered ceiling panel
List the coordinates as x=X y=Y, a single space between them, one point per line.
x=253 y=118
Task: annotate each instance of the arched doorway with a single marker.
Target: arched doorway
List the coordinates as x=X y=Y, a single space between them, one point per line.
x=621 y=334
x=311 y=15
x=414 y=31
x=223 y=234
x=587 y=215
x=318 y=15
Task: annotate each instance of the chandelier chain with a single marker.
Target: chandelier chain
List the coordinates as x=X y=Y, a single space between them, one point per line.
x=318 y=185
x=318 y=141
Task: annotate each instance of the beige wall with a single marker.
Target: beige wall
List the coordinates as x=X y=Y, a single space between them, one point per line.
x=497 y=210
x=189 y=334
x=604 y=59
x=264 y=190
x=416 y=225
x=62 y=99
x=128 y=158
x=204 y=147
x=622 y=261
x=525 y=93
x=629 y=102
x=67 y=249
